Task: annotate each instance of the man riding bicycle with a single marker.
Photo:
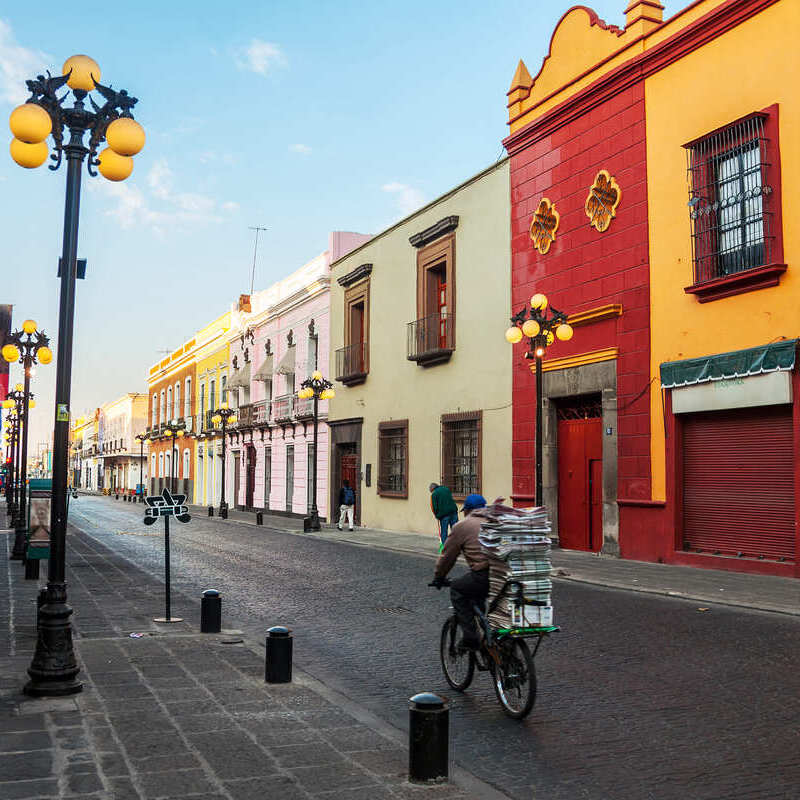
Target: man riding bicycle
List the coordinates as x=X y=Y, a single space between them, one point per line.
x=474 y=585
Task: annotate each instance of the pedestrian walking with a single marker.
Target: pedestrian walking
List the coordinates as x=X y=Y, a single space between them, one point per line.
x=347 y=503
x=444 y=509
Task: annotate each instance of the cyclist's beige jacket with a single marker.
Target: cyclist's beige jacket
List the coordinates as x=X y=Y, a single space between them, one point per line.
x=463 y=538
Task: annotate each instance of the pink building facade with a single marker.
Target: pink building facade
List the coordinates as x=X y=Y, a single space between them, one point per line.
x=278 y=338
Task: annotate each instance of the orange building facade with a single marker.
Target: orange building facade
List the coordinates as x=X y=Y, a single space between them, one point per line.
x=651 y=178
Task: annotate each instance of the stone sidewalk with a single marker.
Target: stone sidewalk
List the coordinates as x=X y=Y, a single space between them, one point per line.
x=760 y=592
x=176 y=714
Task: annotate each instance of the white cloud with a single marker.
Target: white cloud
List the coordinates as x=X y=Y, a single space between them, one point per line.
x=17 y=64
x=303 y=149
x=408 y=198
x=161 y=207
x=260 y=56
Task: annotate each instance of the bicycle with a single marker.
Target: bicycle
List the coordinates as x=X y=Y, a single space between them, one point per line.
x=503 y=652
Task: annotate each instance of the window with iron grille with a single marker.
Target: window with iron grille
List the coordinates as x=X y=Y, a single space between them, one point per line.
x=461 y=452
x=731 y=199
x=393 y=458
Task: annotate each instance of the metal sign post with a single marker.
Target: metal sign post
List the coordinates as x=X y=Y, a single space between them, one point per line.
x=166 y=505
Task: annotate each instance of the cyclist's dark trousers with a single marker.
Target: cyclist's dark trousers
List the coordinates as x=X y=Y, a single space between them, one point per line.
x=469 y=588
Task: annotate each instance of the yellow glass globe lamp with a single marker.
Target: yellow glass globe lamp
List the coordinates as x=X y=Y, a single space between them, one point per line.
x=125 y=136
x=232 y=420
x=8 y=404
x=539 y=352
x=539 y=301
x=114 y=167
x=167 y=432
x=10 y=353
x=316 y=375
x=45 y=355
x=327 y=394
x=30 y=123
x=216 y=419
x=550 y=337
x=531 y=328
x=19 y=388
x=179 y=434
x=513 y=335
x=29 y=326
x=29 y=156
x=85 y=72
x=564 y=332
x=31 y=404
x=224 y=405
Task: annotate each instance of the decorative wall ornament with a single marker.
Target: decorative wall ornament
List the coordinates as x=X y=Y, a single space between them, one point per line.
x=235 y=362
x=290 y=338
x=544 y=225
x=268 y=347
x=311 y=328
x=602 y=201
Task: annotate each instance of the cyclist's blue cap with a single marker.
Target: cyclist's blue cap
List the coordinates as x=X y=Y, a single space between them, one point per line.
x=472 y=501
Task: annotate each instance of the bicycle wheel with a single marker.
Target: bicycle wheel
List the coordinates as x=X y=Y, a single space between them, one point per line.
x=515 y=678
x=458 y=663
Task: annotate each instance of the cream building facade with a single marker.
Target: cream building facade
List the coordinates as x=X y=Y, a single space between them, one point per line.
x=418 y=316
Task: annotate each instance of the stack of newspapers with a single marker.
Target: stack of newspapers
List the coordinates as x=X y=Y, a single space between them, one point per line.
x=517 y=542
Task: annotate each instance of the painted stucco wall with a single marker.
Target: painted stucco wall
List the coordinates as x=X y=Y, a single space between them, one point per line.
x=477 y=377
x=706 y=89
x=208 y=461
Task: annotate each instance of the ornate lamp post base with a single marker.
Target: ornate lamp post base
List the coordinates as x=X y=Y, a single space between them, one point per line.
x=54 y=669
x=312 y=523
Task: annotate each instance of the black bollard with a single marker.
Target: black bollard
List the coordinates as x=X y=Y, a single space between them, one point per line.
x=211 y=511
x=259 y=518
x=278 y=668
x=223 y=510
x=211 y=612
x=31 y=569
x=428 y=738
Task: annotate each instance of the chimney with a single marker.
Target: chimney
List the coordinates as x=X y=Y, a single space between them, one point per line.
x=643 y=15
x=244 y=303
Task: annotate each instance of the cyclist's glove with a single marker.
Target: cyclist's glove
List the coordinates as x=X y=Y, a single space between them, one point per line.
x=438 y=582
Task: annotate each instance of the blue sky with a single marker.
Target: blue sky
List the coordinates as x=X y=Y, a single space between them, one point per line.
x=304 y=117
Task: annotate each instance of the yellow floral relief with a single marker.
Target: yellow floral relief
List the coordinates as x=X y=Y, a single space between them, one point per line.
x=602 y=201
x=544 y=225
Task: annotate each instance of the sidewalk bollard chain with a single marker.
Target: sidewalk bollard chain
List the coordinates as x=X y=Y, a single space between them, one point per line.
x=210 y=612
x=428 y=738
x=259 y=518
x=278 y=667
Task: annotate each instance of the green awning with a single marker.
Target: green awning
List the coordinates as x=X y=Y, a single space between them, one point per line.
x=724 y=366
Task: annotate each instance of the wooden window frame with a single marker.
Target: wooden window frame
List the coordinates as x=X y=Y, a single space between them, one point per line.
x=353 y=295
x=443 y=250
x=462 y=416
x=392 y=425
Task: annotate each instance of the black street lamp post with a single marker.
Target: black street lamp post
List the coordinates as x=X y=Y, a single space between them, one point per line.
x=12 y=438
x=27 y=347
x=13 y=403
x=141 y=438
x=54 y=669
x=542 y=330
x=318 y=388
x=224 y=416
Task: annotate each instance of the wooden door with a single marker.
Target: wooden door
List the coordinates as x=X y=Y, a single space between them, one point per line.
x=251 y=475
x=236 y=478
x=580 y=482
x=348 y=470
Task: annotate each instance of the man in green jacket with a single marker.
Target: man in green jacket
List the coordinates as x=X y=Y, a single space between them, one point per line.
x=444 y=509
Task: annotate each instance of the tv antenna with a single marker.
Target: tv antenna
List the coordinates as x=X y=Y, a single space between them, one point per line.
x=255 y=250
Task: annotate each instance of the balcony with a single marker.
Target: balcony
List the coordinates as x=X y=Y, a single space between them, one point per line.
x=304 y=408
x=261 y=411
x=283 y=408
x=208 y=424
x=431 y=339
x=244 y=416
x=352 y=363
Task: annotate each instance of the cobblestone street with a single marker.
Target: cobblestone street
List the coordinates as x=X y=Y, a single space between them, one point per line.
x=640 y=696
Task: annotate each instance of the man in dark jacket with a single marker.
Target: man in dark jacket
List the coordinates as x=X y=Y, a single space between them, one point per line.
x=474 y=585
x=347 y=502
x=444 y=509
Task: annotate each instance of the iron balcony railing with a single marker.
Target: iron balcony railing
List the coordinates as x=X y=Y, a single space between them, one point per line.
x=283 y=407
x=208 y=421
x=352 y=362
x=244 y=416
x=304 y=408
x=261 y=410
x=431 y=339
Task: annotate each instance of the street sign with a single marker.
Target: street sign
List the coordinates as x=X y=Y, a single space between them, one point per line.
x=166 y=505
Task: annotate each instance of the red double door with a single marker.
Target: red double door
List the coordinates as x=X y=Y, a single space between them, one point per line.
x=580 y=484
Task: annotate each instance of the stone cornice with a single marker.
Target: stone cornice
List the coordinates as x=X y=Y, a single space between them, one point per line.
x=442 y=227
x=357 y=274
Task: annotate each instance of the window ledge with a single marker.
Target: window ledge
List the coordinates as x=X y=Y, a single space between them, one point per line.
x=432 y=357
x=352 y=380
x=740 y=282
x=395 y=495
